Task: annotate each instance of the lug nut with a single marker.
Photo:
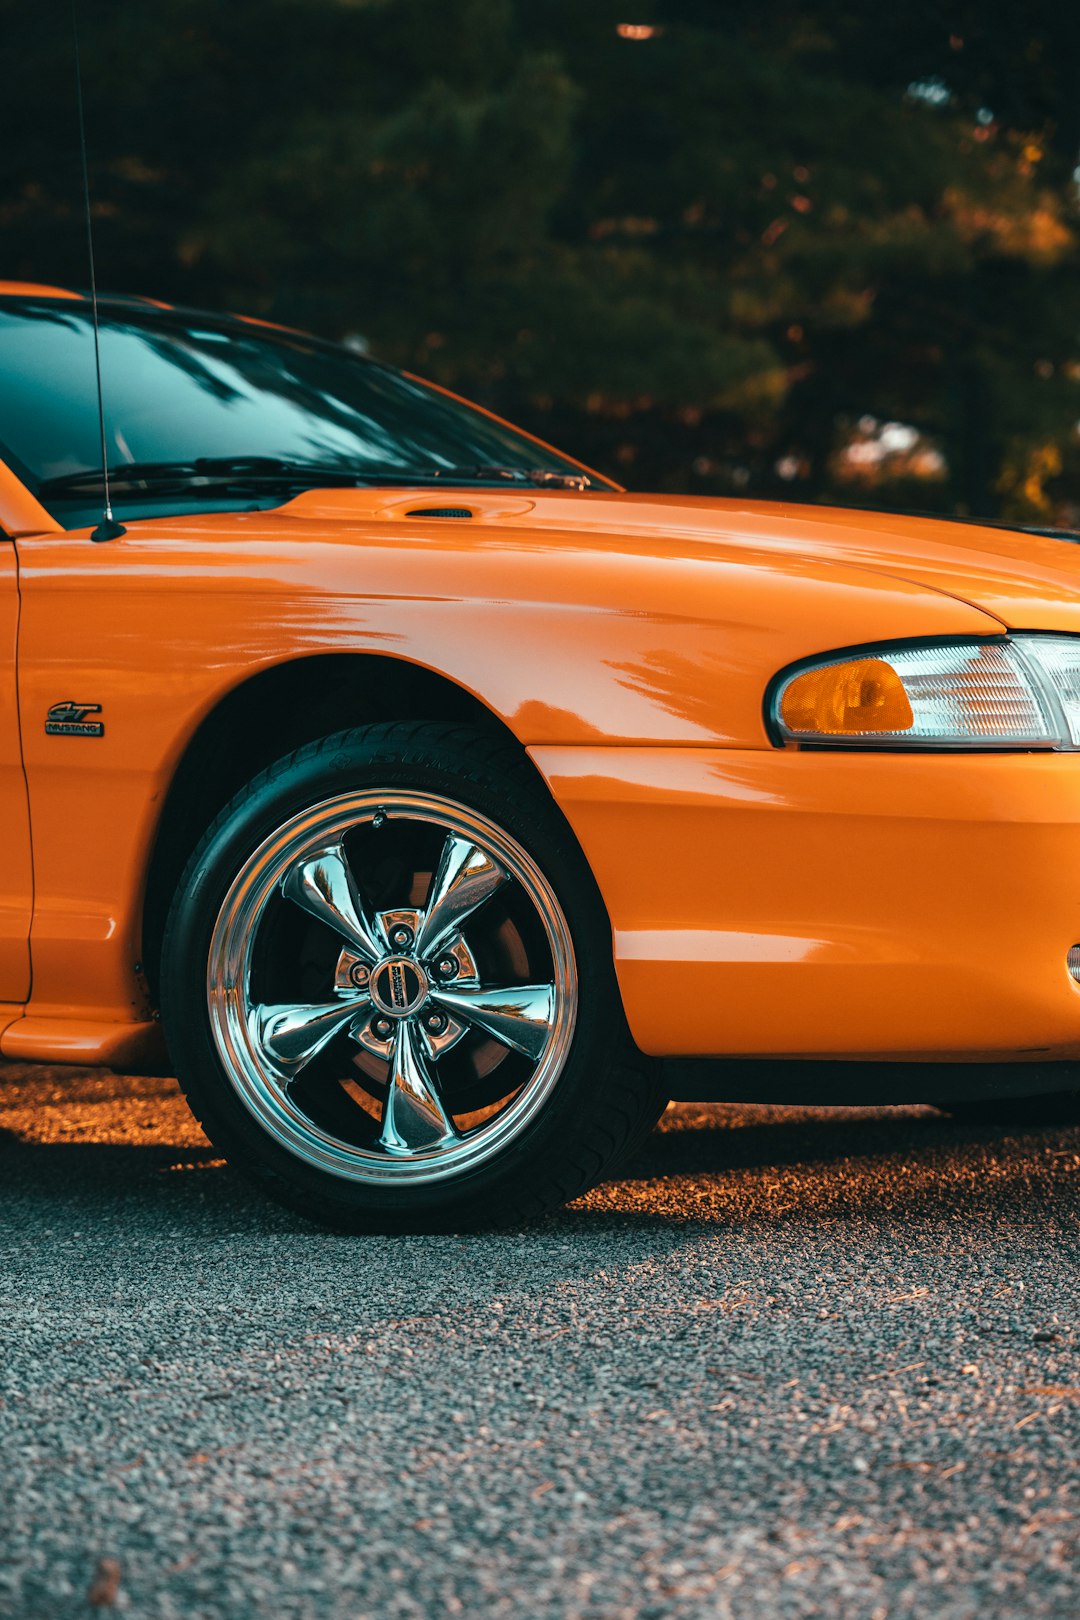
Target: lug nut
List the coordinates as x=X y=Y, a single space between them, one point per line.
x=447 y=967
x=359 y=975
x=400 y=937
x=383 y=1028
x=434 y=1023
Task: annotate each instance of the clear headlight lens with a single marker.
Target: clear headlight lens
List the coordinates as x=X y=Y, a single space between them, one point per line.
x=1057 y=659
x=1023 y=692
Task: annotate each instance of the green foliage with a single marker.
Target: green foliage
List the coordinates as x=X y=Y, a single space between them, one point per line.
x=700 y=258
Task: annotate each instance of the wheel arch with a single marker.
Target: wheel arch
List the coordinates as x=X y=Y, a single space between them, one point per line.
x=267 y=715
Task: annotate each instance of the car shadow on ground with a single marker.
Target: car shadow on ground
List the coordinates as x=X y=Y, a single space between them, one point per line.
x=706 y=1164
x=710 y=1138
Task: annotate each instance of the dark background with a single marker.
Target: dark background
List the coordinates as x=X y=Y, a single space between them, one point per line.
x=814 y=251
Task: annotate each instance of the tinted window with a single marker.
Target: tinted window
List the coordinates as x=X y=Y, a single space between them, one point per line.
x=179 y=387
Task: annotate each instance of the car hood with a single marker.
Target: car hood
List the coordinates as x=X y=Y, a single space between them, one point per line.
x=1025 y=580
x=1028 y=580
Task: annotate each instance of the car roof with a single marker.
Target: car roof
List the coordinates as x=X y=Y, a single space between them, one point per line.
x=37 y=292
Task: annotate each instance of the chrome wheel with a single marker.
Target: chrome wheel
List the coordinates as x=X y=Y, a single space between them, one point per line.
x=392 y=987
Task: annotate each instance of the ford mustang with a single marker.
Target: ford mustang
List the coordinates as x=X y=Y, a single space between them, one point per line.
x=436 y=810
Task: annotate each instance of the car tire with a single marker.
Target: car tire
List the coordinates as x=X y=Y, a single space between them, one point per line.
x=388 y=990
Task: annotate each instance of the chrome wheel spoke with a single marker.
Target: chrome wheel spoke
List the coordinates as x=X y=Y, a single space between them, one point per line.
x=371 y=1037
x=466 y=876
x=291 y=1034
x=324 y=887
x=520 y=1017
x=414 y=1117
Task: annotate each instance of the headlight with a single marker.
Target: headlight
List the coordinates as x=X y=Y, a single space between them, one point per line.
x=1020 y=692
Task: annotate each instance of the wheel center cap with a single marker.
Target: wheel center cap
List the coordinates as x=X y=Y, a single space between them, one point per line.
x=398 y=986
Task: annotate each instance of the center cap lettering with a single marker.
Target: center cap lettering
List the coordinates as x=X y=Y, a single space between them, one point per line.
x=398 y=986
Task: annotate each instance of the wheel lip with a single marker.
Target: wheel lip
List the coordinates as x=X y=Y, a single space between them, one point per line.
x=228 y=976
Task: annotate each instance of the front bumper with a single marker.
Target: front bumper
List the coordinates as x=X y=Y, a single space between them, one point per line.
x=829 y=905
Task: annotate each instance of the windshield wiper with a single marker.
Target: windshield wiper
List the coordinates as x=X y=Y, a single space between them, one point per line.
x=275 y=472
x=518 y=475
x=205 y=470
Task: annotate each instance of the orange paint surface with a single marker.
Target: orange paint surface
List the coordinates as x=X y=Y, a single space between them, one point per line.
x=794 y=904
x=762 y=900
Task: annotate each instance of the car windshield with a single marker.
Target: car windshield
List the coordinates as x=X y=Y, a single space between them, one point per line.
x=237 y=409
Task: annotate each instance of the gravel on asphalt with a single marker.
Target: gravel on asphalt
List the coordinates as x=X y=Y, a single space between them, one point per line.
x=794 y=1362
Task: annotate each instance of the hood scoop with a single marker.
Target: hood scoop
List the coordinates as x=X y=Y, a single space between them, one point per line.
x=401 y=505
x=440 y=512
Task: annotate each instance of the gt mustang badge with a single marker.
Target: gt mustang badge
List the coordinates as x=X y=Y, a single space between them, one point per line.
x=69 y=720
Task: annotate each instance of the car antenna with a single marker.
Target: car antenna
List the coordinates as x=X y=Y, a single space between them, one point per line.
x=108 y=528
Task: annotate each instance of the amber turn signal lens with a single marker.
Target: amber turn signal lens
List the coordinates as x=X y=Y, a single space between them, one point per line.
x=863 y=698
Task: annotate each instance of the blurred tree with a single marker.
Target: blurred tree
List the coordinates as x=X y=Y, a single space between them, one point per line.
x=816 y=250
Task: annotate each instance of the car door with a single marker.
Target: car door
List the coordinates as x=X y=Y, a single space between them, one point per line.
x=16 y=872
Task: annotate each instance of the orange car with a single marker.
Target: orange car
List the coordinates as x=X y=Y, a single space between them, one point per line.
x=455 y=808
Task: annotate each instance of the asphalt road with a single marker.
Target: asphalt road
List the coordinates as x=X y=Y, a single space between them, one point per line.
x=796 y=1362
